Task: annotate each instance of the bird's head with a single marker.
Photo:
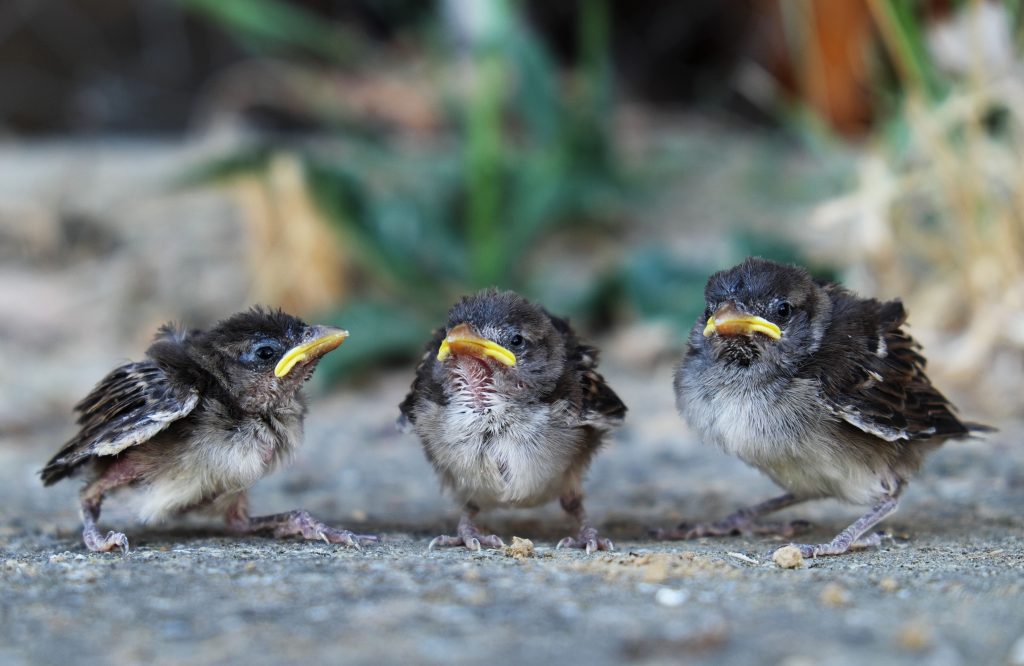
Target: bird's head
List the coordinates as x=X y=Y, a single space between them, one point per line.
x=262 y=357
x=761 y=312
x=497 y=342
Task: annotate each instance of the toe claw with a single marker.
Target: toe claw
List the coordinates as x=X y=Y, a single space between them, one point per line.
x=567 y=542
x=473 y=544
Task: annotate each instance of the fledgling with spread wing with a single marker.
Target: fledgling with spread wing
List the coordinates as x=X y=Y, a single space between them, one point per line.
x=821 y=390
x=510 y=411
x=199 y=421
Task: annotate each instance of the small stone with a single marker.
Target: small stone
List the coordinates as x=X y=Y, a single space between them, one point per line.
x=835 y=595
x=520 y=548
x=788 y=557
x=914 y=637
x=667 y=596
x=888 y=584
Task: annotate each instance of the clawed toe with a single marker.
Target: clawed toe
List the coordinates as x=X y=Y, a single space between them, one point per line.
x=589 y=542
x=472 y=543
x=839 y=547
x=108 y=543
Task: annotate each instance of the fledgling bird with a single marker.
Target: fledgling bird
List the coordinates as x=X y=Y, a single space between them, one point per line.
x=198 y=422
x=510 y=411
x=821 y=390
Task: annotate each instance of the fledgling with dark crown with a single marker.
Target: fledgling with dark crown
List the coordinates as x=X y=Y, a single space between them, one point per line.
x=193 y=426
x=821 y=390
x=510 y=411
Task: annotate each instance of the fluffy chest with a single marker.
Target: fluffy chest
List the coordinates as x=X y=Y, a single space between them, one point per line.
x=755 y=420
x=781 y=427
x=500 y=453
x=215 y=458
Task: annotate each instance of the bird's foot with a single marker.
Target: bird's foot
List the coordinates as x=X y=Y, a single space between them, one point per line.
x=468 y=536
x=301 y=523
x=105 y=544
x=737 y=523
x=840 y=545
x=588 y=539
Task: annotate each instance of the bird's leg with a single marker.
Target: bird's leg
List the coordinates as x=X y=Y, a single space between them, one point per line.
x=468 y=535
x=572 y=503
x=853 y=536
x=119 y=474
x=741 y=522
x=290 y=523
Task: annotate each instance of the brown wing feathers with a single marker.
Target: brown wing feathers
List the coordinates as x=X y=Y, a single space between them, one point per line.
x=129 y=406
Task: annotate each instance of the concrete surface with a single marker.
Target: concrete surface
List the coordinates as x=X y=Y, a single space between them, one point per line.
x=947 y=589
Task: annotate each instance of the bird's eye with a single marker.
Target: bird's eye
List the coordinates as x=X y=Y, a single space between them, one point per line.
x=783 y=309
x=265 y=352
x=517 y=341
x=708 y=311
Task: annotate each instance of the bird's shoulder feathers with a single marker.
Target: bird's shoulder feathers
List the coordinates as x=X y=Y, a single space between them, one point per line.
x=129 y=406
x=872 y=374
x=599 y=405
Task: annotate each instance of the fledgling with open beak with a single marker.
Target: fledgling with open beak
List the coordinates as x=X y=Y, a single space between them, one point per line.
x=510 y=410
x=197 y=423
x=821 y=390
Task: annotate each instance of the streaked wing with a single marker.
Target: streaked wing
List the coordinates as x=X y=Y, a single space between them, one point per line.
x=129 y=406
x=877 y=381
x=601 y=405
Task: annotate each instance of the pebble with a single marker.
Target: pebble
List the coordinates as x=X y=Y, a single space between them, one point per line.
x=888 y=584
x=914 y=637
x=519 y=549
x=670 y=597
x=834 y=595
x=788 y=557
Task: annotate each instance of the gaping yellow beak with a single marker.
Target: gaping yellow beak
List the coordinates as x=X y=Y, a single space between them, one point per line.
x=325 y=339
x=461 y=340
x=728 y=320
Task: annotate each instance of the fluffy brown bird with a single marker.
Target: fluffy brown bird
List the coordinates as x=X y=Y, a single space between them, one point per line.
x=510 y=411
x=205 y=416
x=823 y=391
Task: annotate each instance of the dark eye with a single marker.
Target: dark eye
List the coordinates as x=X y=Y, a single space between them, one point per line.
x=517 y=341
x=265 y=352
x=783 y=309
x=708 y=311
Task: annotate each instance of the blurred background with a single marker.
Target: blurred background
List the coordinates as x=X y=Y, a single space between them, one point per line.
x=365 y=162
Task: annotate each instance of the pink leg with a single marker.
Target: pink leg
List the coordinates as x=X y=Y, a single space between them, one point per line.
x=119 y=474
x=587 y=537
x=291 y=523
x=853 y=536
x=468 y=535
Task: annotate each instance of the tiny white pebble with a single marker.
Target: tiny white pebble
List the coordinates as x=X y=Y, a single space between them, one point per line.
x=667 y=596
x=741 y=556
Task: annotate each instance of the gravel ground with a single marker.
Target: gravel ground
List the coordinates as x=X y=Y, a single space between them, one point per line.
x=946 y=589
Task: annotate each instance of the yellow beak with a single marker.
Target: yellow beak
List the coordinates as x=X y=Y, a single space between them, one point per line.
x=728 y=320
x=460 y=340
x=326 y=338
